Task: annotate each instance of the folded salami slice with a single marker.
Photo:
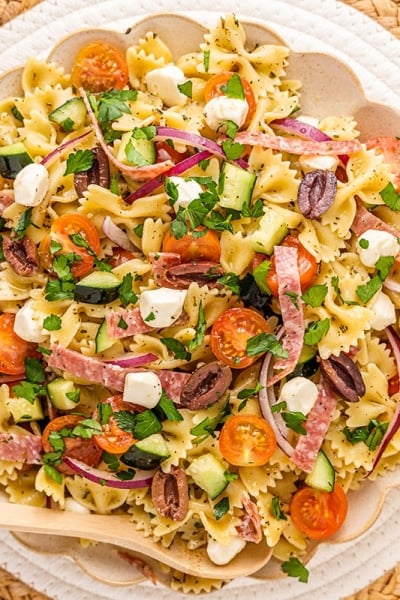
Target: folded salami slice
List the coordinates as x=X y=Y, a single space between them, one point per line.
x=132 y=321
x=21 y=448
x=297 y=146
x=365 y=220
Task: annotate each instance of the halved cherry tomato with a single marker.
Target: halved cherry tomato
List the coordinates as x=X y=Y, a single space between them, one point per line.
x=120 y=256
x=83 y=449
x=231 y=332
x=13 y=349
x=394 y=385
x=61 y=231
x=247 y=440
x=319 y=514
x=215 y=87
x=114 y=439
x=195 y=245
x=166 y=151
x=306 y=262
x=99 y=67
x=390 y=148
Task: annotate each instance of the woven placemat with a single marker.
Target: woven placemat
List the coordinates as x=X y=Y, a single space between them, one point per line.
x=387 y=587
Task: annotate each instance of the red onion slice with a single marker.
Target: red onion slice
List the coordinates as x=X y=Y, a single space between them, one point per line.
x=140 y=479
x=395 y=422
x=181 y=167
x=54 y=154
x=130 y=360
x=190 y=139
x=116 y=234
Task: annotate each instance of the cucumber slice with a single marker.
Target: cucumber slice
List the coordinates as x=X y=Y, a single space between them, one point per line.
x=323 y=476
x=99 y=287
x=13 y=159
x=63 y=394
x=209 y=474
x=136 y=150
x=271 y=230
x=71 y=115
x=235 y=186
x=307 y=353
x=148 y=453
x=102 y=340
x=22 y=410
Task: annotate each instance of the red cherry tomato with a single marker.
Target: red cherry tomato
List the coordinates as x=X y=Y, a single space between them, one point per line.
x=13 y=349
x=216 y=85
x=113 y=439
x=319 y=514
x=306 y=262
x=231 y=332
x=195 y=245
x=99 y=67
x=247 y=441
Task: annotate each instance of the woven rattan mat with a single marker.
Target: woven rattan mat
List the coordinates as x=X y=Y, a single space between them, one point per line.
x=387 y=587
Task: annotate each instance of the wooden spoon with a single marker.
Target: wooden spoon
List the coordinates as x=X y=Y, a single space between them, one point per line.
x=120 y=531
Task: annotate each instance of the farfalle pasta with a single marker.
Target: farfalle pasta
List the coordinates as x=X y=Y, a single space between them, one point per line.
x=198 y=296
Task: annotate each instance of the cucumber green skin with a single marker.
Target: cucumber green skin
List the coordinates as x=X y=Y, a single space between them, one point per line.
x=73 y=111
x=323 y=475
x=102 y=339
x=209 y=474
x=146 y=454
x=235 y=186
x=57 y=390
x=91 y=295
x=13 y=159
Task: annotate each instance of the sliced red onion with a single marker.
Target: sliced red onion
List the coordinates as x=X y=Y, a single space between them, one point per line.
x=304 y=130
x=395 y=422
x=267 y=399
x=116 y=234
x=141 y=478
x=131 y=360
x=48 y=160
x=190 y=139
x=392 y=285
x=181 y=167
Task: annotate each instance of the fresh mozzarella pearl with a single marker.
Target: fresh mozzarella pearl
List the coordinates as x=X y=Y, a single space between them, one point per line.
x=74 y=506
x=315 y=162
x=379 y=243
x=163 y=82
x=31 y=185
x=188 y=190
x=220 y=109
x=222 y=554
x=28 y=323
x=161 y=307
x=143 y=388
x=384 y=311
x=300 y=394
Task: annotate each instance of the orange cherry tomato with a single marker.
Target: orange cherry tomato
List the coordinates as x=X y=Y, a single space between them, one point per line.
x=194 y=245
x=113 y=439
x=99 y=67
x=319 y=514
x=231 y=332
x=13 y=349
x=247 y=441
x=61 y=231
x=306 y=262
x=215 y=87
x=83 y=449
x=390 y=148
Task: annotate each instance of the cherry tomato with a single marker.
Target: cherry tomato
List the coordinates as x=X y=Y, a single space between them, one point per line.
x=99 y=67
x=231 y=332
x=247 y=441
x=13 y=349
x=215 y=87
x=120 y=256
x=83 y=449
x=394 y=385
x=114 y=439
x=390 y=148
x=319 y=514
x=307 y=264
x=61 y=231
x=166 y=151
x=195 y=245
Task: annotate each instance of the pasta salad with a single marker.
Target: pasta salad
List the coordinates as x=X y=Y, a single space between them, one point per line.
x=198 y=297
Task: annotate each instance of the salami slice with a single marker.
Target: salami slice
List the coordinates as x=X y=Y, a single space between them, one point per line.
x=297 y=146
x=131 y=321
x=170 y=272
x=365 y=220
x=173 y=383
x=291 y=304
x=250 y=526
x=21 y=448
x=316 y=426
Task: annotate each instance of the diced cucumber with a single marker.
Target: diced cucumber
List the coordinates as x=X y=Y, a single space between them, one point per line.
x=323 y=476
x=136 y=150
x=272 y=229
x=71 y=115
x=235 y=186
x=99 y=287
x=209 y=474
x=102 y=340
x=63 y=394
x=22 y=410
x=13 y=159
x=307 y=353
x=147 y=453
x=260 y=276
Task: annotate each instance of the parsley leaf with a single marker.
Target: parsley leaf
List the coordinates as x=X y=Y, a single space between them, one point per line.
x=200 y=331
x=221 y=508
x=368 y=290
x=177 y=348
x=186 y=88
x=207 y=426
x=112 y=105
x=265 y=342
x=206 y=60
x=294 y=420
x=233 y=87
x=169 y=409
x=316 y=331
x=79 y=161
x=52 y=323
x=294 y=568
x=231 y=281
x=315 y=295
x=233 y=150
x=276 y=509
x=141 y=425
x=56 y=289
x=29 y=390
x=53 y=473
x=125 y=291
x=371 y=435
x=383 y=266
x=391 y=197
x=23 y=223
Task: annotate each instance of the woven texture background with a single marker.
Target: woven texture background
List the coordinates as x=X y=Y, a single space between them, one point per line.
x=387 y=587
